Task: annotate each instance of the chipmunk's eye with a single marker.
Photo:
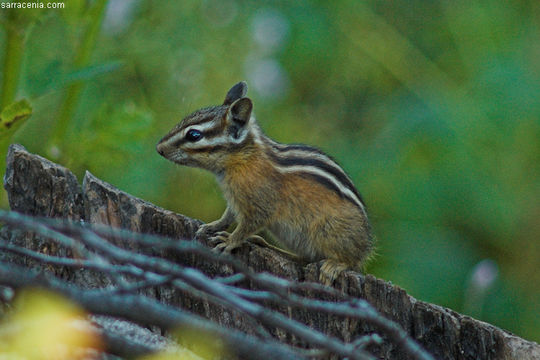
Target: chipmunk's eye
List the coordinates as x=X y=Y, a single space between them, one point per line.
x=194 y=135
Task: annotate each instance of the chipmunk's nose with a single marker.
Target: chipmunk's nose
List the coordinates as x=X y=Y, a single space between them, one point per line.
x=160 y=149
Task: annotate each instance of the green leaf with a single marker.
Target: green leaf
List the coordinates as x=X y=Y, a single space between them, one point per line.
x=12 y=117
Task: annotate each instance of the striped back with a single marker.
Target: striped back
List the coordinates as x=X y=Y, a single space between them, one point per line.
x=311 y=162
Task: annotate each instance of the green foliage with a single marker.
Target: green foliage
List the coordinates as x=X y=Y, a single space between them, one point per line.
x=12 y=117
x=81 y=59
x=116 y=135
x=21 y=19
x=432 y=107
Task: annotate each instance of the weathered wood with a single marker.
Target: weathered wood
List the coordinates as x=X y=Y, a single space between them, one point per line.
x=38 y=187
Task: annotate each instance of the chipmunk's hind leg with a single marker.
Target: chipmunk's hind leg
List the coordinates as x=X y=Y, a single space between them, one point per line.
x=330 y=270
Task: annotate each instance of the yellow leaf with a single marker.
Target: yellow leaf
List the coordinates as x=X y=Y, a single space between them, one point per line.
x=46 y=326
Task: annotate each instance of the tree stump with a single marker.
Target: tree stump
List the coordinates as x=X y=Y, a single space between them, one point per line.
x=39 y=187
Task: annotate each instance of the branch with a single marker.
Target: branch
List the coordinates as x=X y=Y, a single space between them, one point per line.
x=148 y=267
x=145 y=311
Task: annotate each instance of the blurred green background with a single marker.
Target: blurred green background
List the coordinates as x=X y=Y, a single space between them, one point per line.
x=431 y=106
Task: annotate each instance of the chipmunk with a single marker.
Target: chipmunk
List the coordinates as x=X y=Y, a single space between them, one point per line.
x=297 y=192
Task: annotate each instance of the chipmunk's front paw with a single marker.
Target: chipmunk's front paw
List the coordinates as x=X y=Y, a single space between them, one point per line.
x=206 y=231
x=330 y=270
x=224 y=243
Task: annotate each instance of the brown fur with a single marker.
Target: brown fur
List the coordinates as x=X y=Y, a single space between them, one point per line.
x=308 y=218
x=333 y=228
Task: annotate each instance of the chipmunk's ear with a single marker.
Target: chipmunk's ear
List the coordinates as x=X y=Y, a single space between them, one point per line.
x=240 y=111
x=236 y=92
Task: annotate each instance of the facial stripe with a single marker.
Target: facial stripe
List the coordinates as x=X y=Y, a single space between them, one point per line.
x=177 y=138
x=205 y=126
x=200 y=121
x=203 y=115
x=222 y=144
x=208 y=130
x=214 y=141
x=213 y=132
x=204 y=142
x=207 y=149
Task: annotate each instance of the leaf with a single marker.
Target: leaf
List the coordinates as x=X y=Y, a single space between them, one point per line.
x=13 y=116
x=44 y=325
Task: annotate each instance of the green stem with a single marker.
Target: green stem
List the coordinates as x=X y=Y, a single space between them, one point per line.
x=13 y=58
x=82 y=59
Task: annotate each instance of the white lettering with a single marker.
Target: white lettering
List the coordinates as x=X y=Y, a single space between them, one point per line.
x=32 y=5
